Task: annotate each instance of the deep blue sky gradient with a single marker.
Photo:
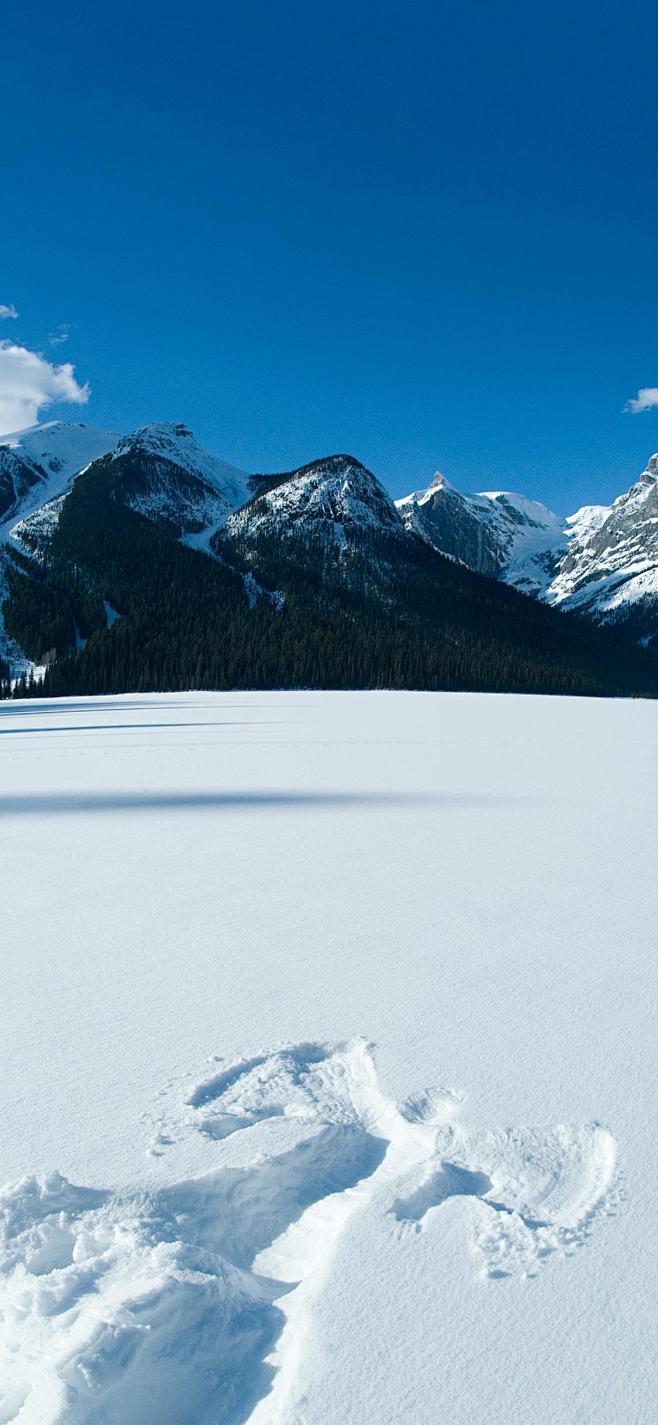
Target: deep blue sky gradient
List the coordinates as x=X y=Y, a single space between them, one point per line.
x=423 y=233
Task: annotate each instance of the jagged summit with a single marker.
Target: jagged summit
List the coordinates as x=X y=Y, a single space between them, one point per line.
x=497 y=533
x=601 y=561
x=439 y=481
x=610 y=568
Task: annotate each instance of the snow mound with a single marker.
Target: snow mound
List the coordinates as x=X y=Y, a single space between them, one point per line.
x=192 y=1303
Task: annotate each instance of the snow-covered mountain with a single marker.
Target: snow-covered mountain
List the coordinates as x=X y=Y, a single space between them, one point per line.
x=335 y=501
x=39 y=463
x=173 y=481
x=172 y=442
x=161 y=472
x=37 y=468
x=609 y=570
x=496 y=533
x=601 y=562
x=97 y=521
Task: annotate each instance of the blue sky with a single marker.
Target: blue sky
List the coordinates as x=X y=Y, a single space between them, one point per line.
x=423 y=233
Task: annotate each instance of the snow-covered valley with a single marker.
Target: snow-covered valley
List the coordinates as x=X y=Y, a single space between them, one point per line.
x=329 y=1031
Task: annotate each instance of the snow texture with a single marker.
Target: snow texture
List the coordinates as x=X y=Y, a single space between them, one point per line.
x=221 y=1203
x=188 y=1303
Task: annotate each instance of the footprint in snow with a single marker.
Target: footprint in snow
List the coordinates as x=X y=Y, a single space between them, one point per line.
x=189 y=1304
x=539 y=1190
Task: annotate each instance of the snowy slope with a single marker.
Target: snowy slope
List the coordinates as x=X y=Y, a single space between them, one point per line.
x=601 y=562
x=39 y=463
x=221 y=1203
x=173 y=481
x=611 y=563
x=173 y=442
x=499 y=534
x=335 y=499
x=37 y=467
x=176 y=483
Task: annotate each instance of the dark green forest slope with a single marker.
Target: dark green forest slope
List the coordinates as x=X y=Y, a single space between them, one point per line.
x=281 y=610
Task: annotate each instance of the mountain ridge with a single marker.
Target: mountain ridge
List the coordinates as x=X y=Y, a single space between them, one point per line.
x=38 y=463
x=315 y=577
x=600 y=562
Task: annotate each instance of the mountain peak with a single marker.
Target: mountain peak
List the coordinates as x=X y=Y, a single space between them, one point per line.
x=439 y=481
x=602 y=560
x=40 y=462
x=330 y=498
x=497 y=533
x=174 y=442
x=157 y=436
x=328 y=465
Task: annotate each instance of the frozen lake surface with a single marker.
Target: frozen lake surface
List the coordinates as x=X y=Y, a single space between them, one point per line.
x=329 y=1053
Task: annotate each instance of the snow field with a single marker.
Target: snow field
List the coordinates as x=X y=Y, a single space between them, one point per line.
x=221 y=1203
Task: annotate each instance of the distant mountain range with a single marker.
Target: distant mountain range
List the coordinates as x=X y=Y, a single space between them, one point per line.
x=601 y=562
x=145 y=562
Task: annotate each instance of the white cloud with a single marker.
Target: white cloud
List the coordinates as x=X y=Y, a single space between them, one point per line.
x=28 y=383
x=61 y=335
x=646 y=400
x=9 y=311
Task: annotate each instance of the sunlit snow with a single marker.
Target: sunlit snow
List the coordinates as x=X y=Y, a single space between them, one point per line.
x=329 y=1031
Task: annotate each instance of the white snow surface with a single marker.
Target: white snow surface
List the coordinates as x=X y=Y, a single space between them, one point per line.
x=329 y=1031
